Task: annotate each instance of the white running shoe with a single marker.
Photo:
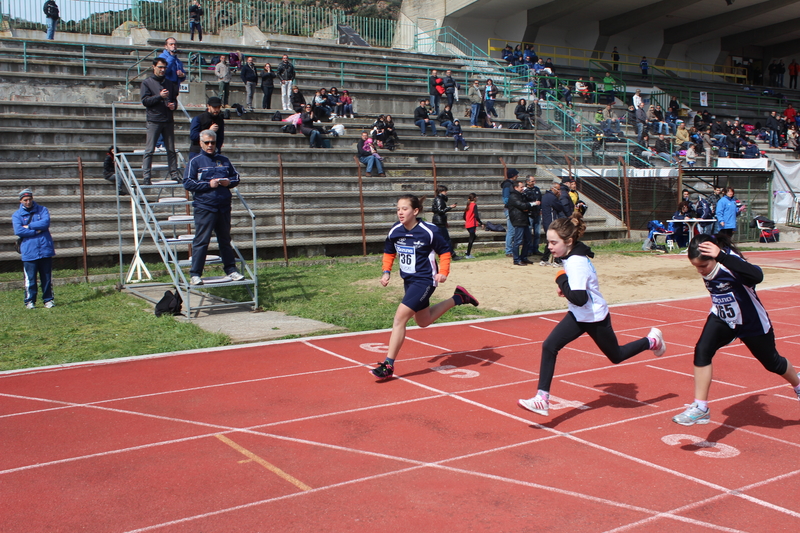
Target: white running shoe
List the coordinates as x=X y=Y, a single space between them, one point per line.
x=30 y=305
x=660 y=346
x=236 y=276
x=49 y=305
x=196 y=280
x=693 y=415
x=537 y=404
x=544 y=263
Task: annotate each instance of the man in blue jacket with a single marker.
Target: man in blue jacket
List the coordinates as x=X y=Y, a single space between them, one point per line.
x=175 y=71
x=32 y=226
x=210 y=176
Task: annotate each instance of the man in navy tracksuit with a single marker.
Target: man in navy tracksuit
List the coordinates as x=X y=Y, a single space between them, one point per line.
x=32 y=226
x=210 y=176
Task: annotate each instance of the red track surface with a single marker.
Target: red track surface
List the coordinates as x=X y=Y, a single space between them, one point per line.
x=296 y=436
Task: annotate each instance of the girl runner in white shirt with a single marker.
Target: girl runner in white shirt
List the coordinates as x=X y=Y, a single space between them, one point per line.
x=588 y=311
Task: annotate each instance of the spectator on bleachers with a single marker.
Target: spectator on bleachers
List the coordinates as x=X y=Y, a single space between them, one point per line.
x=691 y=155
x=548 y=64
x=369 y=156
x=434 y=88
x=708 y=145
x=476 y=100
x=751 y=151
x=445 y=118
x=110 y=171
x=780 y=71
x=455 y=131
x=422 y=120
x=196 y=20
x=31 y=223
x=347 y=104
x=287 y=75
x=249 y=75
x=235 y=60
x=774 y=127
x=792 y=137
x=521 y=112
x=641 y=122
x=664 y=150
x=489 y=97
x=615 y=59
x=517 y=55
x=378 y=131
x=335 y=102
x=732 y=143
x=450 y=86
x=608 y=88
x=644 y=66
x=674 y=106
x=308 y=129
x=566 y=94
x=794 y=69
x=637 y=98
x=267 y=86
x=52 y=15
x=790 y=113
x=159 y=95
x=718 y=131
x=610 y=121
x=224 y=76
x=297 y=101
x=682 y=138
x=508 y=55
x=582 y=89
x=539 y=67
x=175 y=71
x=592 y=90
x=390 y=133
x=643 y=150
x=210 y=119
x=320 y=105
x=656 y=123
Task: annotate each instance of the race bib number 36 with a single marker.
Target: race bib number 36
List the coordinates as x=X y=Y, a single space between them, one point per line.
x=727 y=308
x=408 y=259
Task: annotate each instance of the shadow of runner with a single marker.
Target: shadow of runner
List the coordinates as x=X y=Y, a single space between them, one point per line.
x=748 y=412
x=485 y=357
x=617 y=395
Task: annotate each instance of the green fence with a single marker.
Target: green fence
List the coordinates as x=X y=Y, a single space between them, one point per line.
x=101 y=17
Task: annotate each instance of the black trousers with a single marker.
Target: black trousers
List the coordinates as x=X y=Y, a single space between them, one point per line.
x=206 y=222
x=602 y=333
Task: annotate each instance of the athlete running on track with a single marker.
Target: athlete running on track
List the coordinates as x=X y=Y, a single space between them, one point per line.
x=416 y=244
x=736 y=312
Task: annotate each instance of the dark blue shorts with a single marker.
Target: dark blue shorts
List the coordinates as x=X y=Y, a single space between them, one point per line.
x=418 y=294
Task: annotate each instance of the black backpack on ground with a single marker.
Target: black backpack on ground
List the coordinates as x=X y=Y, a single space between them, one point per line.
x=170 y=304
x=277 y=117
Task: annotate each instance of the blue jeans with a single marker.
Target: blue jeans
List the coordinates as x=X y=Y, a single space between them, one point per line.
x=314 y=139
x=51 y=28
x=773 y=139
x=435 y=98
x=446 y=125
x=535 y=222
x=473 y=117
x=520 y=240
x=422 y=126
x=612 y=125
x=196 y=26
x=371 y=161
x=44 y=267
x=509 y=232
x=489 y=105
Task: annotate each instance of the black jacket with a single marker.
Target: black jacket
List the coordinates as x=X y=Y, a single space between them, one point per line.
x=773 y=124
x=440 y=209
x=520 y=111
x=248 y=73
x=157 y=110
x=195 y=13
x=202 y=122
x=566 y=200
x=298 y=101
x=420 y=113
x=449 y=85
x=445 y=115
x=51 y=10
x=533 y=194
x=268 y=78
x=518 y=209
x=286 y=71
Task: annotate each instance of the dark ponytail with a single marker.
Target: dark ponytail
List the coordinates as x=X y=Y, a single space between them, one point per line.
x=722 y=240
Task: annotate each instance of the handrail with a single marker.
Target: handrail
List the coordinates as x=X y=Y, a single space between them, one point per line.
x=128 y=79
x=626 y=60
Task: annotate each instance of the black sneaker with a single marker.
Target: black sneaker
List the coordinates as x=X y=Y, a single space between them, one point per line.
x=466 y=297
x=384 y=370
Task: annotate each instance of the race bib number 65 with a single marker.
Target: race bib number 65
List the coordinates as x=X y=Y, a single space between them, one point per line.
x=727 y=308
x=408 y=259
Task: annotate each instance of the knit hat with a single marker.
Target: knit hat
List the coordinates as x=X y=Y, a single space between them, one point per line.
x=25 y=192
x=512 y=173
x=214 y=101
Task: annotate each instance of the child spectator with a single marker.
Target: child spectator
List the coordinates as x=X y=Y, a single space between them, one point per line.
x=457 y=133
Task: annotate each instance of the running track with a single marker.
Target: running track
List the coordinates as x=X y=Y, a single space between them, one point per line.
x=296 y=436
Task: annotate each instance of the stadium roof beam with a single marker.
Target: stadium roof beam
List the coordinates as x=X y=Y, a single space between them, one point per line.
x=757 y=35
x=550 y=12
x=683 y=32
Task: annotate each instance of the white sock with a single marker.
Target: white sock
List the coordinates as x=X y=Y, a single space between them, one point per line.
x=701 y=404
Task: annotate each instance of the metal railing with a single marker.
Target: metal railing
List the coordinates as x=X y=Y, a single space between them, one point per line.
x=582 y=57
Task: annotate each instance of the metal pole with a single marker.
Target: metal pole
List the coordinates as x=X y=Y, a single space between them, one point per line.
x=83 y=221
x=627 y=196
x=283 y=211
x=433 y=169
x=361 y=208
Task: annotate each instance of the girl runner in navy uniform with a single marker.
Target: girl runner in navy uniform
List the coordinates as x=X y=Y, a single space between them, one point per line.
x=588 y=311
x=736 y=311
x=416 y=244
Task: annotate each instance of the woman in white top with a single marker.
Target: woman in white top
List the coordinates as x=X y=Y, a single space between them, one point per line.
x=588 y=311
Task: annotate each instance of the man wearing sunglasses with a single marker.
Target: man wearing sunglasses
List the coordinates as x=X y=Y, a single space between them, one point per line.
x=210 y=176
